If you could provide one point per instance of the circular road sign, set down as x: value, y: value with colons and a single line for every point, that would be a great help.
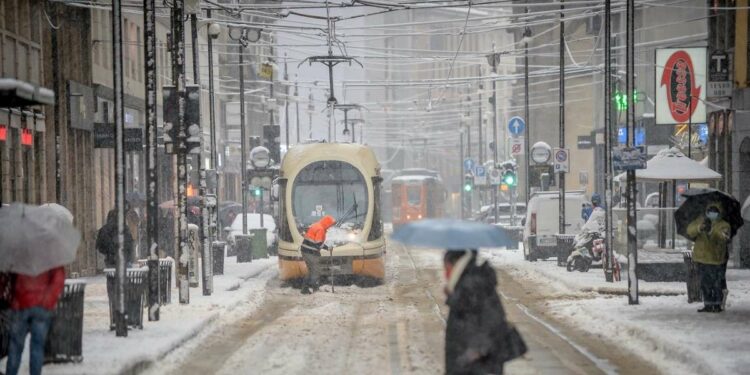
x: 561, y: 156
x: 541, y: 153
x: 516, y: 125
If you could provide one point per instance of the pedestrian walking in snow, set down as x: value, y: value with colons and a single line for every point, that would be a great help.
x: 313, y: 242
x: 33, y: 302
x: 106, y: 241
x: 478, y: 339
x: 711, y: 235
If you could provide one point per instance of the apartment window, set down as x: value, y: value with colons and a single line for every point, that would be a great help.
x: 10, y: 15
x: 35, y: 21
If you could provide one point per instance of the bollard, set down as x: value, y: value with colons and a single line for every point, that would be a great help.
x: 218, y: 247
x: 243, y: 247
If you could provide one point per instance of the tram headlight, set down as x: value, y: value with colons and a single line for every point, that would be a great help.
x: 419, y: 217
x: 352, y: 237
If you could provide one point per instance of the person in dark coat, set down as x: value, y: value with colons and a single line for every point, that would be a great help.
x: 106, y: 241
x: 476, y: 326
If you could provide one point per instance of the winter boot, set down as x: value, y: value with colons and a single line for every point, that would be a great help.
x: 306, y: 290
x: 725, y: 294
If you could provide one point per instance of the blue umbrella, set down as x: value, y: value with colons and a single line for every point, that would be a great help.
x: 450, y: 234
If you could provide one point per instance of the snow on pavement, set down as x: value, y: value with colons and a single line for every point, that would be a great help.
x: 104, y: 353
x: 664, y: 330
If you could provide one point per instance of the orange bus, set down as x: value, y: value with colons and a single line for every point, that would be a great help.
x: 415, y: 198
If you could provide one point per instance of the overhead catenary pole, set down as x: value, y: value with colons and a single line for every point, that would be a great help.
x: 286, y: 101
x: 55, y: 55
x: 632, y: 234
x: 206, y: 263
x: 561, y: 179
x: 212, y: 129
x: 121, y: 326
x: 609, y: 271
x: 178, y: 78
x: 461, y: 175
x: 526, y: 114
x: 152, y: 186
x: 296, y: 108
x: 310, y: 109
x: 243, y: 136
x: 495, y: 141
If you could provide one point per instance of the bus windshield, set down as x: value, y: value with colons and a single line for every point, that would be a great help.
x: 330, y: 188
x: 414, y: 194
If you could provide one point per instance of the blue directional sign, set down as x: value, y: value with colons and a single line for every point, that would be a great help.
x: 468, y: 165
x: 516, y: 126
x: 480, y: 171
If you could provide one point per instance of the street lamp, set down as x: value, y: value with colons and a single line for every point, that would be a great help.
x: 243, y: 36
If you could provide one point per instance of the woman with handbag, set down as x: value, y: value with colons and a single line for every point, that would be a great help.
x: 478, y: 339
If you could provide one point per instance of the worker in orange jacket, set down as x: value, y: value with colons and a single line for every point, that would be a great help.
x: 314, y: 240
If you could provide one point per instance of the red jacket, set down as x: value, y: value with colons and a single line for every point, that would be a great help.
x: 317, y: 232
x: 38, y: 291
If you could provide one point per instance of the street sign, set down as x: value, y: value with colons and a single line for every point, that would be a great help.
x: 628, y: 158
x: 468, y: 165
x: 516, y: 125
x: 516, y: 146
x: 541, y: 153
x: 562, y: 160
x: 495, y: 177
x: 719, y: 82
x: 480, y: 175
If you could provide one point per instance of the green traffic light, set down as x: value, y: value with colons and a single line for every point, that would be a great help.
x: 467, y: 187
x: 509, y: 180
x: 257, y: 192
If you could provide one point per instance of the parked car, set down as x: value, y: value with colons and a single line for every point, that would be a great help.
x: 542, y: 222
x: 253, y: 222
x: 487, y: 215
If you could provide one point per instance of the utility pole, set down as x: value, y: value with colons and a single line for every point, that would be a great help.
x: 629, y: 85
x: 286, y: 102
x: 152, y: 186
x: 55, y: 55
x: 481, y: 117
x: 207, y: 263
x: 561, y: 191
x: 296, y: 108
x: 178, y: 79
x: 462, y: 173
x: 310, y: 109
x: 609, y: 271
x: 120, y: 314
x: 212, y: 127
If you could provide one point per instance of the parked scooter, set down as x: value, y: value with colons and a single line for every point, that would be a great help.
x: 588, y: 247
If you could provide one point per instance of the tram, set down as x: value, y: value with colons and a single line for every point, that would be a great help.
x: 342, y: 180
x: 416, y: 197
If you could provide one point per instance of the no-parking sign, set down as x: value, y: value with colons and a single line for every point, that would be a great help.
x: 562, y: 160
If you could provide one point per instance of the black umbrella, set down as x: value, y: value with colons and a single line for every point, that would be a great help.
x: 696, y: 201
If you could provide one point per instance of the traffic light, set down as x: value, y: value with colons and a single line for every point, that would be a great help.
x: 509, y: 178
x: 621, y: 100
x: 256, y: 191
x: 272, y: 141
x: 193, y: 130
x: 170, y: 105
x: 468, y: 183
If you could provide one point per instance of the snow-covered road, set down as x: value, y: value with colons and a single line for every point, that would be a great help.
x: 394, y: 328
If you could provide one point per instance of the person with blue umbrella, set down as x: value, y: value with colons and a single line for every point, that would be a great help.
x: 478, y: 338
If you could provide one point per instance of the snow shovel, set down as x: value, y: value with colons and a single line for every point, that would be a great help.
x: 330, y: 267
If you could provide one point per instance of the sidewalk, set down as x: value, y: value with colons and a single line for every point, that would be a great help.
x: 663, y: 329
x: 104, y: 353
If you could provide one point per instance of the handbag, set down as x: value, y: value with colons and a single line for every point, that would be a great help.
x: 514, y: 344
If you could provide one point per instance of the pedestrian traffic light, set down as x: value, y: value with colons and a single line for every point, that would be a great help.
x: 621, y: 100
x: 468, y: 183
x: 509, y: 178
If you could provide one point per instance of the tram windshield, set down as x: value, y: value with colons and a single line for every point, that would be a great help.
x: 330, y: 188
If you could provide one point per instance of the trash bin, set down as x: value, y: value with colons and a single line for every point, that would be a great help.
x: 165, y: 280
x: 65, y: 337
x: 565, y: 244
x: 218, y: 247
x: 243, y: 247
x: 259, y: 244
x: 693, y: 278
x: 135, y: 291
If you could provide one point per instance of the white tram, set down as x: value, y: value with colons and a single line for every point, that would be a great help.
x: 342, y: 180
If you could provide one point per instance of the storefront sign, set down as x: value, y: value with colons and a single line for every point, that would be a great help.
x: 27, y: 137
x: 104, y: 137
x: 680, y: 85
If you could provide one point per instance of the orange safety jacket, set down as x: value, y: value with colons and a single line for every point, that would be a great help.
x: 316, y: 235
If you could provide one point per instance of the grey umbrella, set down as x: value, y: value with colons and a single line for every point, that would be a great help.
x: 450, y: 234
x: 35, y: 239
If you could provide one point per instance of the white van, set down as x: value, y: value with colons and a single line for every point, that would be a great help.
x: 542, y: 222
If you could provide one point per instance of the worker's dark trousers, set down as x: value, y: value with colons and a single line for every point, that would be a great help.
x: 313, y: 269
